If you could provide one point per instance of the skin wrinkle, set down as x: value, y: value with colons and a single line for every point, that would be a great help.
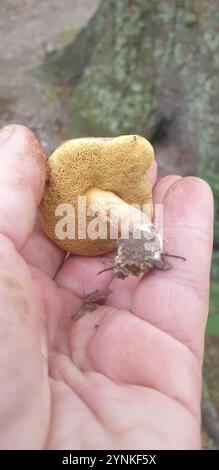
x: 160, y: 436
x: 41, y: 253
x: 173, y: 331
x: 62, y: 373
x: 167, y: 442
x: 190, y: 226
x: 190, y: 196
x: 10, y: 236
x: 161, y: 324
x: 162, y: 186
x: 84, y: 391
x: 77, y: 433
x: 190, y: 286
x: 44, y: 307
x: 11, y: 253
x: 80, y: 291
x: 155, y: 324
x: 176, y: 332
x: 94, y: 362
x: 57, y: 372
x: 9, y: 243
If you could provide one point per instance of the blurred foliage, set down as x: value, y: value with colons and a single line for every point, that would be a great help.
x: 68, y: 35
x: 139, y: 63
x: 49, y: 92
x: 213, y: 321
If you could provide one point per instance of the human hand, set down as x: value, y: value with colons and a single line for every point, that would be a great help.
x: 126, y: 376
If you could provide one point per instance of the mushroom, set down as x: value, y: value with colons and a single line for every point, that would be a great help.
x: 111, y: 173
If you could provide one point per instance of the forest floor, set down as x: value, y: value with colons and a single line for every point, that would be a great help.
x: 29, y: 30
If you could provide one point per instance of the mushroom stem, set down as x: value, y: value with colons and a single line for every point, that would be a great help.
x: 118, y: 212
x: 139, y: 245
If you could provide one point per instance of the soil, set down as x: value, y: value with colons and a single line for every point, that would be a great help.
x: 29, y: 29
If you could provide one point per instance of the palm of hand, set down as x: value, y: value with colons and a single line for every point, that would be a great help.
x: 128, y: 375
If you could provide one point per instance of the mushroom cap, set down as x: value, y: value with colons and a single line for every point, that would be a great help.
x: 118, y: 165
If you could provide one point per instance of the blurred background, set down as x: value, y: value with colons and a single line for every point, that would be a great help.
x: 110, y: 67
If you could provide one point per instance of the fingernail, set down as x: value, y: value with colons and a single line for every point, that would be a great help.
x: 5, y: 134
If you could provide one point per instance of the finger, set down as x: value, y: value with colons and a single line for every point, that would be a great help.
x: 123, y: 291
x: 162, y: 187
x: 80, y: 274
x: 40, y: 252
x: 177, y: 300
x: 22, y: 175
x: 21, y: 392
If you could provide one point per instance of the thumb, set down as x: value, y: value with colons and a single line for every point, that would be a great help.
x: 22, y: 417
x: 22, y: 176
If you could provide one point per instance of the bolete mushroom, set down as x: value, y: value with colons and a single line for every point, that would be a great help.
x: 111, y: 173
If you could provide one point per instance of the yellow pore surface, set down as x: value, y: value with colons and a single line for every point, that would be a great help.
x: 118, y: 165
